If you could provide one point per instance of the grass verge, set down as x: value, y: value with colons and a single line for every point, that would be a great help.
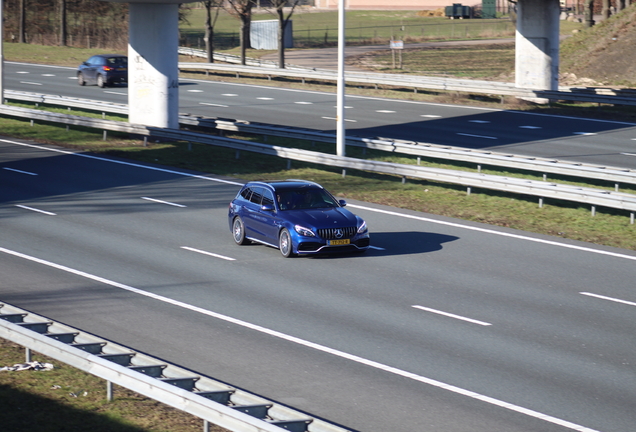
x: 66, y: 399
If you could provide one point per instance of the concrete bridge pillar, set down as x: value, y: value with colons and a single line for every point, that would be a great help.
x: 537, y: 44
x: 153, y: 62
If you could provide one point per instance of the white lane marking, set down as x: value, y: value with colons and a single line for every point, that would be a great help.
x: 19, y: 171
x: 450, y: 315
x: 318, y: 347
x: 48, y: 75
x: 36, y: 210
x: 347, y: 120
x: 376, y: 248
x: 530, y: 127
x: 346, y: 107
x: 195, y: 91
x: 115, y: 93
x: 477, y: 136
x: 431, y: 116
x: 479, y: 121
x: 214, y: 105
x: 629, y: 154
x: 499, y: 233
x: 385, y: 111
x: 31, y: 83
x: 265, y: 98
x: 208, y: 253
x: 162, y: 202
x: 404, y: 215
x: 22, y: 72
x: 585, y: 133
x: 229, y: 94
x: 136, y: 165
x: 602, y: 297
x: 304, y: 103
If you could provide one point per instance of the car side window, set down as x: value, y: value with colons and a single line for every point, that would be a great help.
x: 257, y: 196
x: 268, y: 197
x: 246, y: 193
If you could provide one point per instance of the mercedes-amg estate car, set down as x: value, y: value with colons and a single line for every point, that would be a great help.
x: 104, y: 70
x: 296, y: 216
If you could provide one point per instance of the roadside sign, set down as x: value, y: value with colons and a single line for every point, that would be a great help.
x: 396, y: 44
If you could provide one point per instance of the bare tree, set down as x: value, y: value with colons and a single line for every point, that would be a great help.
x: 589, y: 13
x: 210, y: 21
x: 22, y: 22
x: 606, y: 9
x: 63, y: 28
x: 242, y: 9
x: 279, y: 5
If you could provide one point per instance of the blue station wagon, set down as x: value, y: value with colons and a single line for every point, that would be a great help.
x: 296, y: 216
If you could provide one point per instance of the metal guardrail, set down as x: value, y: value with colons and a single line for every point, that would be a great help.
x: 420, y: 149
x: 541, y: 189
x: 201, y: 396
x: 260, y: 67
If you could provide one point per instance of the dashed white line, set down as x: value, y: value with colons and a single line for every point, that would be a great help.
x: 479, y: 121
x: 431, y: 116
x: 163, y: 202
x: 530, y: 127
x: 115, y: 93
x: 19, y: 171
x: 214, y: 105
x: 313, y: 345
x: 385, y: 111
x: 628, y: 154
x: 48, y: 75
x: 602, y: 297
x: 31, y: 83
x: 304, y: 103
x: 265, y: 98
x: 36, y: 210
x: 347, y: 120
x: 195, y: 91
x: 208, y: 253
x: 229, y: 94
x: 450, y: 315
x: 477, y: 136
x: 585, y: 133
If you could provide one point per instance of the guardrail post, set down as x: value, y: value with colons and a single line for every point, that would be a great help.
x: 109, y: 391
x: 206, y: 426
x: 238, y: 154
x: 631, y: 218
x: 468, y: 189
x: 288, y: 164
x: 616, y: 187
x: 540, y: 202
x: 105, y: 136
x: 344, y: 172
x: 593, y: 211
x: 28, y: 355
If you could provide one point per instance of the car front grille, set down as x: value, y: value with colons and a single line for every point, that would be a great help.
x: 337, y: 233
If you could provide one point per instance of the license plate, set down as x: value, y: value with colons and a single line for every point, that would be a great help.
x: 338, y: 242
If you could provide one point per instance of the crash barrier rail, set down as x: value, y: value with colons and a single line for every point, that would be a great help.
x: 481, y: 158
x: 541, y: 189
x: 269, y: 69
x: 210, y: 400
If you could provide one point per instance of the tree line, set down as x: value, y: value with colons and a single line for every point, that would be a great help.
x: 78, y: 23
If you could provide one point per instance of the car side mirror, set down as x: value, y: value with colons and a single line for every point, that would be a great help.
x: 342, y: 203
x: 267, y: 207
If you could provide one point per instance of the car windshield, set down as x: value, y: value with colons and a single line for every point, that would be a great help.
x: 302, y: 199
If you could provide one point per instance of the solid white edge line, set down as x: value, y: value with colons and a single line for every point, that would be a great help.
x: 318, y: 347
x: 19, y: 171
x: 602, y: 297
x: 499, y: 233
x: 163, y: 202
x: 477, y: 136
x: 208, y: 253
x: 450, y: 315
x: 36, y: 210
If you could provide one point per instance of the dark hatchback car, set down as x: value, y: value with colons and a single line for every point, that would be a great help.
x: 104, y: 70
x: 296, y: 216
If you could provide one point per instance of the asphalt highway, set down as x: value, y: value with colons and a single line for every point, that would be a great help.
x: 606, y: 143
x: 444, y: 325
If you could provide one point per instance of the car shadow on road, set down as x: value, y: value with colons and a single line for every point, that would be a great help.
x: 401, y: 243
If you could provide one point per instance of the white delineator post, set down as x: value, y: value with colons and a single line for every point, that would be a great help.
x: 537, y: 44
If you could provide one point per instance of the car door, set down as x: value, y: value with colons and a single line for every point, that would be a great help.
x: 267, y: 220
x: 90, y: 69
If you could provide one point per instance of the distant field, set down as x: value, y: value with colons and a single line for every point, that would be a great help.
x: 318, y: 29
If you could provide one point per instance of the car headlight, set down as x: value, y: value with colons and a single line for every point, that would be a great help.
x: 304, y: 231
x: 362, y: 228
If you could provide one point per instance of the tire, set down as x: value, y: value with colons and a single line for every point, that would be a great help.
x: 238, y: 232
x: 80, y: 79
x: 101, y: 82
x: 285, y: 243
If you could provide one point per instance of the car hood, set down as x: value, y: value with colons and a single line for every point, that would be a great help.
x: 322, y: 218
